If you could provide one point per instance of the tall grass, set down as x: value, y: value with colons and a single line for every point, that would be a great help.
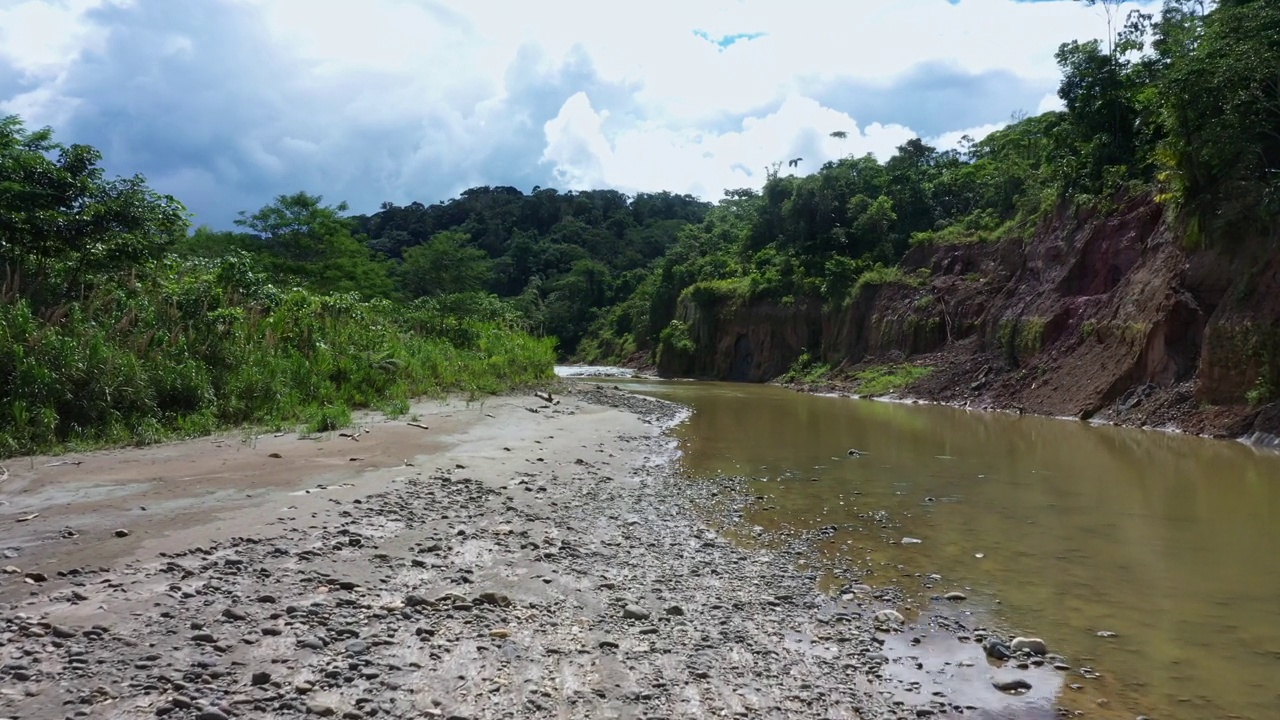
x: 203, y: 347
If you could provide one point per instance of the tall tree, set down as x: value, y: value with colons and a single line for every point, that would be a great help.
x: 62, y: 220
x: 300, y: 237
x: 444, y: 265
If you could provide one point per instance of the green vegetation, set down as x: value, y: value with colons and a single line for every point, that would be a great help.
x: 115, y: 327
x: 118, y: 324
x: 806, y: 369
x: 568, y: 261
x: 884, y: 379
x: 675, y: 342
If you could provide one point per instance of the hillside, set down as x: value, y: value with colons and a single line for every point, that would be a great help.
x: 1114, y: 258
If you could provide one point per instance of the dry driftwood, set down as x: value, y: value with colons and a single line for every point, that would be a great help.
x: 420, y: 426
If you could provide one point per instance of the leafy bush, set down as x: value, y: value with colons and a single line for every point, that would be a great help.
x: 188, y: 354
x: 806, y: 369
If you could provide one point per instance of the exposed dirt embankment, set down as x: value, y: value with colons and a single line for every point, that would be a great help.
x: 744, y: 343
x: 1096, y: 316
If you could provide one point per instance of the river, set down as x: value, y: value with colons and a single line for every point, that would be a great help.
x: 1059, y: 529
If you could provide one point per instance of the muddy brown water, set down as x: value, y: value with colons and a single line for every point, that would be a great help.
x: 1054, y: 528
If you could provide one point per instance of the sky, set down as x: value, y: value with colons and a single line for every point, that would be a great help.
x: 226, y: 104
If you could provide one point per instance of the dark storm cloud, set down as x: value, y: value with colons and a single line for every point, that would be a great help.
x: 196, y: 96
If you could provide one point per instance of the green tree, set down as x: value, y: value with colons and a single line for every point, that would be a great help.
x: 63, y: 222
x: 300, y: 237
x: 1219, y: 103
x: 444, y: 265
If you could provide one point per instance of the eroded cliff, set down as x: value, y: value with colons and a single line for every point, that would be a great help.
x: 1106, y: 316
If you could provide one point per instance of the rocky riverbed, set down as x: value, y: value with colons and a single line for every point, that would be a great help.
x: 520, y: 559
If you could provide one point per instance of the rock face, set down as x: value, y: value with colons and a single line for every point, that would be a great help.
x: 1095, y: 315
x: 751, y: 343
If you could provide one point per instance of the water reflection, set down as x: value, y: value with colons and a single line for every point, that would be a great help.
x: 1170, y: 542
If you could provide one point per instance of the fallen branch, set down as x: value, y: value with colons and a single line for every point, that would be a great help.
x: 420, y: 426
x: 545, y: 397
x: 65, y: 462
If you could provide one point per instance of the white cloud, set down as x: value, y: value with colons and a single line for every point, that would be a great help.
x: 41, y: 37
x: 414, y: 99
x: 44, y: 103
x: 650, y: 156
x: 1049, y: 103
x: 951, y: 140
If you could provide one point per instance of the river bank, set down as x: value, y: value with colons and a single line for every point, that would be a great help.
x: 979, y: 384
x: 517, y: 559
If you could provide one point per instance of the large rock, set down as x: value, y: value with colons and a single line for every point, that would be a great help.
x: 1035, y: 646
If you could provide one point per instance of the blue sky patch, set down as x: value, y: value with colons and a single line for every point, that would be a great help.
x: 724, y: 41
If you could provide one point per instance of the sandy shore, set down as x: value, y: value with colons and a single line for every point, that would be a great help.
x: 514, y: 560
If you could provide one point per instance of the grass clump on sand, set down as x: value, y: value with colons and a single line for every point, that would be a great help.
x: 885, y: 379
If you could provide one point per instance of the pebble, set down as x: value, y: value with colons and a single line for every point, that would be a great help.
x: 675, y: 610
x: 635, y: 612
x: 122, y: 533
x: 955, y: 596
x: 500, y: 633
x: 321, y: 709
x: 1016, y: 685
x: 235, y: 614
x: 493, y: 598
x: 996, y: 650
